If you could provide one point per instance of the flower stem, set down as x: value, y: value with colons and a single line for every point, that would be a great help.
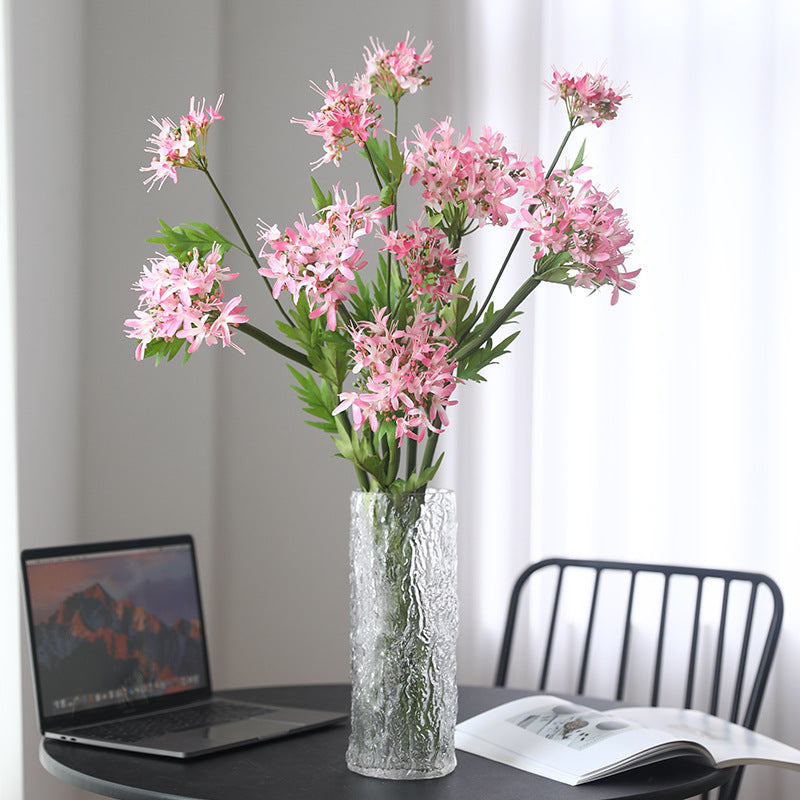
x: 374, y: 169
x: 246, y: 244
x: 274, y: 344
x: 469, y: 345
x: 411, y: 458
x: 361, y: 474
x: 394, y: 463
x: 519, y: 232
x: 430, y: 450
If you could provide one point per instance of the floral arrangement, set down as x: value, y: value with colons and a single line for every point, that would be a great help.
x: 377, y: 358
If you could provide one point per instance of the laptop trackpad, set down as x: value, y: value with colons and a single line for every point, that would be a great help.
x: 220, y: 736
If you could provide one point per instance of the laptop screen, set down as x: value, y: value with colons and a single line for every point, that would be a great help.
x: 111, y: 627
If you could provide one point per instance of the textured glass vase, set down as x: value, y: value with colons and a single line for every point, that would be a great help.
x: 403, y: 629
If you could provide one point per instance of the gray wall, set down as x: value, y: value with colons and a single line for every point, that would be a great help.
x: 111, y: 448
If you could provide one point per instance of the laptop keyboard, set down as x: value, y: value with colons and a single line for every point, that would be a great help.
x: 215, y: 712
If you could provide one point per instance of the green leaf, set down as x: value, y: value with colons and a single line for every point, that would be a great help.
x: 182, y: 240
x: 161, y: 349
x: 389, y: 194
x: 416, y: 482
x: 434, y: 217
x: 361, y: 302
x: 321, y: 200
x: 578, y: 162
x: 318, y: 399
x: 492, y: 321
x: 397, y: 162
x: 554, y: 267
x: 379, y: 155
x: 345, y: 447
x: 556, y: 275
x: 470, y: 367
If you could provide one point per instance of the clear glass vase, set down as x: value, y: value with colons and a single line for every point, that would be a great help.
x: 403, y: 629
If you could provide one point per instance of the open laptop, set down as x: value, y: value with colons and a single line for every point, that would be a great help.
x: 119, y: 653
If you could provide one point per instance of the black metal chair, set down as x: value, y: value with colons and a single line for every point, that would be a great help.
x: 729, y: 632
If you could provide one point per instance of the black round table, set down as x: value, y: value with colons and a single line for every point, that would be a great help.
x: 311, y: 765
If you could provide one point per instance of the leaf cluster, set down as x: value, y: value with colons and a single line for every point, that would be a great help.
x: 182, y: 240
x: 390, y: 165
x: 161, y: 349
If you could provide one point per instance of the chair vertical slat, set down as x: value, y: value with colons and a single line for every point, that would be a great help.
x: 551, y: 632
x: 720, y: 648
x: 508, y: 633
x: 765, y: 662
x: 587, y: 642
x: 660, y: 647
x: 693, y: 650
x: 748, y: 627
x: 626, y: 639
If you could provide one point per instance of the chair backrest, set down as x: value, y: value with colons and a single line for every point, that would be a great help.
x: 720, y: 626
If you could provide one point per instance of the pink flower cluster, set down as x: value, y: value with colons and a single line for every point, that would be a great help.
x: 395, y: 72
x: 456, y: 170
x: 349, y: 114
x: 185, y: 301
x: 429, y: 261
x: 406, y: 377
x: 173, y: 144
x: 321, y: 258
x: 567, y: 214
x: 589, y: 98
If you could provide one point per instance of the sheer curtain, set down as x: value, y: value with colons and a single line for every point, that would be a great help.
x: 665, y: 428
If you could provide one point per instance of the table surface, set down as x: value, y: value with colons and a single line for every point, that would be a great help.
x: 312, y: 765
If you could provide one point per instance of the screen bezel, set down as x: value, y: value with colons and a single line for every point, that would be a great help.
x: 131, y: 707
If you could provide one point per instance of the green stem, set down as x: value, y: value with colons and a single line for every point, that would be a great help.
x: 394, y: 216
x: 430, y: 450
x: 411, y: 458
x: 374, y: 169
x: 519, y: 232
x: 394, y: 463
x: 346, y: 429
x: 400, y: 298
x: 560, y: 150
x: 274, y: 344
x: 469, y: 345
x: 389, y: 283
x: 246, y: 244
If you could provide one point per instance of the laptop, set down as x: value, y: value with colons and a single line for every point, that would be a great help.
x: 119, y: 653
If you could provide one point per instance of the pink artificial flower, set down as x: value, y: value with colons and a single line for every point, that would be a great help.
x: 174, y: 145
x: 404, y: 375
x: 220, y: 327
x: 589, y: 98
x: 429, y: 261
x: 395, y: 72
x: 321, y: 258
x: 564, y: 213
x: 348, y: 115
x: 458, y: 172
x: 185, y: 300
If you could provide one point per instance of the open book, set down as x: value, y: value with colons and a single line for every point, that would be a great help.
x: 575, y: 744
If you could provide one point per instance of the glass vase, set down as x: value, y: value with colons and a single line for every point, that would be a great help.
x: 403, y: 629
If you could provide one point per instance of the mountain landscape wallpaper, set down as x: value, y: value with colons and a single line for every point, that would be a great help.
x: 115, y: 628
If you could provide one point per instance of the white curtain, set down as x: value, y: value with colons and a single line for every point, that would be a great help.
x: 664, y: 428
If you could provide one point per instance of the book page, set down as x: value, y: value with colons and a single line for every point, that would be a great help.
x: 556, y: 738
x: 729, y: 744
